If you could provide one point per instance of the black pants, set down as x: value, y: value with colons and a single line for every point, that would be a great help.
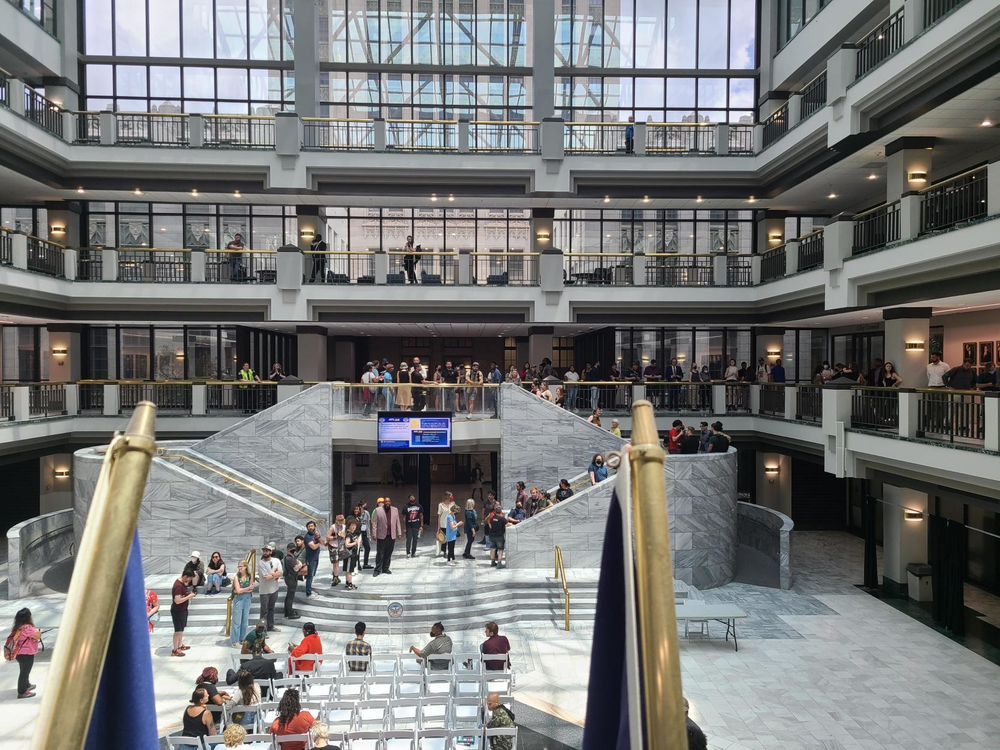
x: 366, y: 544
x: 383, y: 554
x: 25, y: 661
x: 451, y: 550
x: 629, y: 145
x: 267, y: 602
x: 291, y: 583
x: 419, y: 399
x: 469, y: 539
x: 412, y: 536
x: 319, y: 268
x: 410, y: 265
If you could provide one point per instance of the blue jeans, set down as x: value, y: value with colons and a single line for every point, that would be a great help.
x: 214, y: 579
x: 390, y: 399
x: 313, y: 566
x: 240, y: 622
x: 593, y: 397
x: 571, y: 396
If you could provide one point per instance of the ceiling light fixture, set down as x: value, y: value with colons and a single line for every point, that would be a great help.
x: 194, y: 193
x: 236, y: 194
x: 699, y: 199
x: 751, y: 199
x: 645, y: 199
x: 832, y: 195
x: 137, y: 191
x: 434, y: 197
x: 451, y: 198
x: 873, y: 176
x: 607, y: 199
x: 986, y: 123
x: 79, y: 190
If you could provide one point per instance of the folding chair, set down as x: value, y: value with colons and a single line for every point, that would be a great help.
x: 218, y: 715
x: 363, y: 741
x: 503, y: 732
x: 437, y: 684
x: 258, y: 741
x: 467, y: 740
x: 332, y: 667
x: 278, y: 687
x: 280, y: 743
x: 440, y: 664
x: 340, y: 716
x: 404, y: 714
x: 433, y: 739
x: 498, y: 682
x: 356, y: 661
x: 469, y: 686
x: 467, y: 713
x: 185, y: 742
x: 384, y: 664
x: 252, y: 717
x: 312, y: 706
x: 319, y: 688
x: 380, y: 687
x: 409, y: 686
x: 350, y: 688
x: 435, y: 712
x: 467, y: 663
x: 268, y: 713
x: 399, y: 740
x: 371, y: 715
x: 408, y: 665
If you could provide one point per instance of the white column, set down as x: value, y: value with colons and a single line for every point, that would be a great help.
x: 794, y: 109
x: 464, y: 267
x: 909, y: 401
x: 639, y: 138
x: 791, y: 401
x: 838, y: 241
x: 836, y: 416
x: 754, y: 270
x: 913, y: 18
x: 720, y: 269
x: 381, y: 267
x: 464, y: 135
x: 991, y: 405
x: 21, y: 403
x: 639, y: 269
x: 287, y: 134
x: 197, y: 265
x: 904, y: 326
x: 312, y: 353
x: 72, y: 399
x: 722, y: 138
x: 543, y: 81
x: 287, y: 391
x: 199, y: 399
x: 109, y: 264
x: 719, y: 398
x: 305, y: 14
x: 15, y: 95
x: 69, y: 263
x: 909, y: 215
x: 289, y: 271
x: 791, y: 257
x: 550, y: 268
x: 196, y: 130
x: 638, y: 392
x: 380, y: 134
x: 553, y: 133
x: 840, y: 72
x: 109, y: 129
x: 754, y: 398
x: 111, y: 399
x: 19, y: 251
x: 900, y: 164
x: 993, y: 188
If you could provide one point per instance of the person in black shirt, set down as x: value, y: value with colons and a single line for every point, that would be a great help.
x: 414, y: 515
x: 290, y: 571
x: 564, y: 491
x: 418, y: 391
x: 498, y: 537
x: 450, y: 377
x: 263, y: 670
x: 690, y: 442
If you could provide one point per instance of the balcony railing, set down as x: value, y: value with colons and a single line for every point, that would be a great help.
x: 46, y: 400
x: 46, y: 257
x: 169, y: 396
x: 421, y: 135
x: 464, y: 401
x: 738, y: 398
x: 321, y: 133
x: 880, y: 43
x: 814, y: 96
x: 772, y: 399
x: 6, y: 403
x: 954, y: 201
x: 152, y: 129
x: 934, y: 10
x: 89, y: 264
x: 6, y: 248
x: 424, y: 267
x: 42, y: 12
x: 505, y: 269
x: 239, y: 131
x: 952, y: 416
x: 43, y: 112
x: 91, y: 395
x: 811, y: 250
x: 241, y: 266
x: 356, y: 267
x: 601, y: 269
x: 739, y: 270
x: 875, y: 409
x: 809, y: 403
x: 154, y: 266
x: 490, y: 137
x: 597, y: 138
x: 776, y: 125
x: 876, y: 228
x: 674, y: 138
x: 741, y: 139
x: 88, y: 128
x: 668, y: 269
x: 240, y: 398
x: 772, y: 264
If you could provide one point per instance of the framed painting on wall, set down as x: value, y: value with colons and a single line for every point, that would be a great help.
x: 985, y: 352
x: 969, y: 352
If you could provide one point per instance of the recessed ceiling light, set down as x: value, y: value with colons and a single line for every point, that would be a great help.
x: 79, y: 190
x: 645, y: 199
x: 236, y: 194
x: 137, y: 191
x: 451, y: 197
x: 986, y: 123
x: 163, y: 229
x: 607, y: 199
x: 194, y: 192
x: 434, y: 197
x: 699, y: 199
x: 751, y: 199
x: 873, y: 176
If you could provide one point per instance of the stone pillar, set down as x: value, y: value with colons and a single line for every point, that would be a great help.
x: 289, y: 270
x: 754, y: 398
x: 904, y: 534
x: 22, y: 403
x: 908, y: 325
x: 905, y: 158
x: 550, y: 258
x: 15, y: 95
x: 991, y: 421
x: 539, y: 343
x: 19, y: 251
x: 109, y: 128
x: 909, y: 412
x: 199, y: 399
x: 111, y: 400
x: 64, y: 215
x: 770, y: 230
x: 196, y: 130
x: 67, y: 25
x: 197, y: 265
x: 755, y: 269
x: 543, y: 81
x: 836, y: 416
x: 109, y: 264
x: 993, y: 188
x: 794, y: 109
x: 767, y: 42
x: 722, y: 138
x: 838, y: 241
x: 312, y: 353
x: 381, y: 267
x: 791, y: 401
x: 639, y: 269
x: 306, y: 19
x: 840, y: 72
x: 64, y: 337
x: 791, y: 257
x: 521, y: 342
x: 913, y: 18
x: 464, y: 267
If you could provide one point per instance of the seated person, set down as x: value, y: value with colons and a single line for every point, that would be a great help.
x: 495, y: 644
x: 310, y: 644
x: 439, y: 644
x: 263, y: 670
x: 207, y: 680
x: 257, y: 635
x: 291, y: 720
x: 197, y: 719
x: 197, y: 569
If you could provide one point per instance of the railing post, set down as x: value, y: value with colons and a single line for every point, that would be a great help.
x: 909, y: 215
x: 196, y: 130
x: 991, y: 421
x: 381, y: 267
x: 720, y: 269
x: 112, y: 402
x: 639, y: 269
x: 109, y: 130
x: 913, y: 19
x: 794, y: 109
x: 464, y: 135
x: 69, y: 263
x: 909, y: 401
x: 553, y: 134
x: 550, y: 269
x: 791, y: 257
x: 791, y: 401
x: 464, y: 267
x: 198, y: 265
x: 758, y: 138
x: 199, y: 398
x: 993, y: 188
x: 68, y: 126
x: 109, y: 265
x: 841, y: 70
x: 718, y: 398
x: 15, y: 95
x: 380, y: 134
x: 72, y: 398
x: 638, y: 392
x: 286, y: 391
x: 19, y: 251
x: 287, y: 134
x: 22, y: 403
x: 289, y: 276
x: 755, y: 270
x: 639, y: 138
x: 755, y: 398
x: 722, y: 139
x: 838, y: 241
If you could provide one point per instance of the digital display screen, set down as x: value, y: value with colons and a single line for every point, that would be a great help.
x: 422, y: 432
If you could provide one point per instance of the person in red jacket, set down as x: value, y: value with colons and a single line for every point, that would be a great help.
x: 674, y: 437
x: 310, y: 644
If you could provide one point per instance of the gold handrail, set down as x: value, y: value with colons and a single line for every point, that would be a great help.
x: 654, y: 578
x: 251, y: 561
x: 958, y: 176
x: 504, y: 254
x: 561, y: 575
x: 684, y: 124
x: 501, y: 122
x: 90, y: 610
x: 239, y: 117
x: 876, y: 208
x: 813, y: 233
x: 336, y: 119
x: 245, y: 250
x: 243, y: 484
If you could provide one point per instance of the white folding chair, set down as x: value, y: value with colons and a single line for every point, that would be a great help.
x: 331, y: 667
x: 350, y: 688
x: 218, y: 715
x: 440, y: 664
x: 371, y: 715
x: 363, y: 741
x: 467, y: 740
x: 312, y: 706
x: 503, y: 732
x: 258, y: 741
x: 340, y: 716
x: 437, y: 684
x: 278, y: 687
x: 467, y: 713
x: 467, y: 663
x: 469, y: 686
x: 404, y: 713
x: 498, y: 682
x: 384, y: 664
x: 409, y: 686
x: 268, y: 713
x: 399, y: 739
x: 185, y: 742
x: 433, y: 739
x: 408, y: 665
x: 435, y: 712
x: 380, y: 688
x: 319, y: 688
x: 280, y: 743
x: 255, y: 717
x: 357, y: 661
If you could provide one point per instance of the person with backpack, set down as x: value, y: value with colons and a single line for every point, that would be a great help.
x: 21, y: 646
x: 414, y: 525
x: 720, y: 441
x: 500, y: 716
x: 498, y: 537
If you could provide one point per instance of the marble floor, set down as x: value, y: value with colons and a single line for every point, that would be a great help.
x: 823, y: 665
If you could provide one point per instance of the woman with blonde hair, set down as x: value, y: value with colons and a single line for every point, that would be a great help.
x: 319, y: 733
x: 404, y: 397
x: 471, y: 527
x: 234, y: 736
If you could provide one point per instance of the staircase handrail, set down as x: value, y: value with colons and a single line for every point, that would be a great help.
x: 560, y: 574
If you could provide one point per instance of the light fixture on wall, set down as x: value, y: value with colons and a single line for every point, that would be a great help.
x: 57, y: 229
x: 681, y: 357
x: 914, y: 346
x: 178, y: 355
x: 307, y: 234
x: 60, y: 352
x: 919, y: 177
x: 543, y: 236
x: 913, y: 515
x: 775, y: 237
x: 773, y: 353
x: 770, y: 472
x: 62, y: 473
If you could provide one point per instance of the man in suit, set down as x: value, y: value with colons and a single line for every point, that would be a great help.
x: 675, y: 374
x: 387, y: 529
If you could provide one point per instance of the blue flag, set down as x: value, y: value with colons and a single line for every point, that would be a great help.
x: 127, y: 681
x: 607, y: 725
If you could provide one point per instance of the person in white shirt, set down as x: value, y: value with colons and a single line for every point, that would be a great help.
x: 936, y: 371
x: 763, y: 371
x: 572, y: 377
x: 368, y: 392
x: 732, y: 372
x: 827, y: 373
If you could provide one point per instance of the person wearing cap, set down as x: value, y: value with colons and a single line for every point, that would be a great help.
x: 615, y: 429
x: 256, y: 638
x: 474, y: 381
x: 291, y: 566
x: 705, y: 435
x: 268, y: 574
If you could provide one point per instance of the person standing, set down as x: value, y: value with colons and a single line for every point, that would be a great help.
x: 242, y: 597
x: 763, y: 374
x: 449, y: 376
x: 23, y: 639
x: 368, y: 389
x: 473, y: 391
x: 706, y: 434
x: 410, y: 260
x: 675, y: 374
x: 388, y: 392
x: 276, y: 373
x: 268, y: 572
x: 778, y: 372
x: 572, y: 378
x: 318, y: 247
x: 630, y: 135
x: 386, y: 526
x: 498, y: 538
x: 414, y: 525
x: 313, y: 544
x: 471, y: 527
x: 720, y: 441
x: 352, y: 543
x: 236, y: 258
x: 451, y: 534
x: 417, y: 390
x: 180, y: 595
x: 292, y: 567
x: 404, y: 396
x: 334, y: 540
x: 674, y: 436
x: 477, y: 480
x: 364, y: 528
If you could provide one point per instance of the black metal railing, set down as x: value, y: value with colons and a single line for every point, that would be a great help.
x: 738, y: 398
x: 223, y: 131
x: 876, y: 228
x: 504, y: 137
x: 42, y: 12
x: 776, y: 125
x: 811, y: 250
x: 772, y: 264
x: 680, y: 270
x: 88, y: 128
x: 680, y: 397
x: 875, y: 409
x: 246, y: 398
x: 421, y: 135
x: 951, y: 416
x: 595, y: 138
x: 741, y: 139
x: 154, y: 266
x: 232, y: 267
x: 168, y: 397
x: 879, y: 43
x: 142, y: 129
x: 772, y: 399
x: 6, y: 248
x: 89, y: 264
x: 42, y: 111
x: 339, y: 268
x: 505, y: 269
x: 739, y: 270
x: 935, y: 9
x: 680, y: 139
x: 4, y: 89
x: 606, y: 269
x: 6, y: 403
x: 91, y: 397
x: 962, y: 198
x: 809, y: 403
x: 584, y: 396
x: 45, y: 257
x: 426, y: 268
x: 814, y: 96
x: 343, y: 135
x: 46, y: 400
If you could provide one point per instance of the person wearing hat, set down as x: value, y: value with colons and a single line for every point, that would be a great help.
x: 268, y: 574
x: 404, y: 396
x: 334, y: 543
x: 198, y: 570
x: 369, y: 389
x: 256, y: 638
x: 292, y: 567
x: 615, y: 429
x: 474, y: 389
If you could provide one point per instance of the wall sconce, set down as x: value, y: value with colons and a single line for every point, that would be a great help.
x: 179, y: 355
x: 914, y: 346
x: 681, y: 357
x: 62, y: 473
x: 770, y: 469
x: 59, y: 352
x: 917, y: 177
x: 307, y: 234
x: 57, y: 229
x: 913, y: 515
x: 775, y: 237
x: 543, y: 236
x: 773, y: 353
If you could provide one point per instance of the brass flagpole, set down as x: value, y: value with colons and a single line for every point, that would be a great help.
x: 663, y: 698
x: 94, y: 591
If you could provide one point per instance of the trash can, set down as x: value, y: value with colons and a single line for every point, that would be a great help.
x: 918, y: 582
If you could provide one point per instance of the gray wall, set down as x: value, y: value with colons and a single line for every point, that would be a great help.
x: 35, y: 544
x: 769, y: 532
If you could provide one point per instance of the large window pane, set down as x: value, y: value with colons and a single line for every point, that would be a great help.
x: 134, y: 363
x: 228, y: 344
x: 131, y: 80
x: 199, y: 29
x: 130, y: 28
x: 742, y: 35
x: 265, y: 29
x: 199, y: 83
x: 713, y: 37
x: 203, y: 353
x: 168, y: 349
x: 231, y: 29
x: 682, y: 17
x: 101, y: 360
x: 97, y: 25
x: 164, y: 28
x: 650, y: 33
